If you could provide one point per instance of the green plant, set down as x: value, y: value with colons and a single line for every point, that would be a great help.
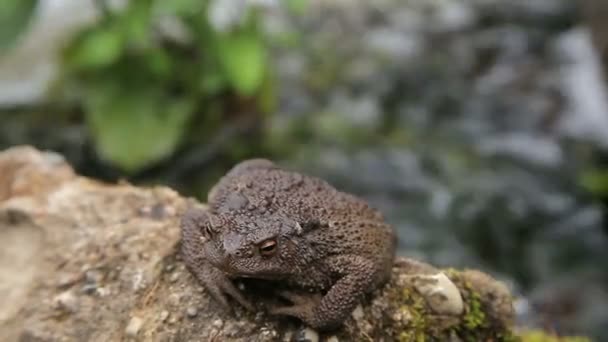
x: 15, y: 16
x: 145, y: 73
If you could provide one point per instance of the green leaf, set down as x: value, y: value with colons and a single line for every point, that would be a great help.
x: 134, y: 128
x: 242, y: 55
x: 135, y: 22
x: 179, y: 7
x: 159, y: 63
x: 15, y: 16
x: 595, y: 181
x: 296, y: 6
x: 96, y: 49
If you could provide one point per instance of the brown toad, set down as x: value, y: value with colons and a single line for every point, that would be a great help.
x: 264, y: 222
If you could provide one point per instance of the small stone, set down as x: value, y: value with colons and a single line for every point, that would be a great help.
x: 440, y: 293
x: 169, y: 268
x: 66, y: 280
x: 191, y: 311
x: 134, y: 326
x: 308, y: 335
x: 163, y: 315
x: 89, y: 289
x: 333, y: 339
x: 66, y: 301
x: 102, y: 292
x: 358, y: 313
x: 174, y: 277
x: 218, y: 323
x: 93, y: 276
x: 175, y: 299
x: 158, y: 212
x: 402, y: 316
x: 267, y: 333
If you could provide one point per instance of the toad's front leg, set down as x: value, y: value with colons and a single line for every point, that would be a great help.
x: 214, y: 280
x: 356, y: 275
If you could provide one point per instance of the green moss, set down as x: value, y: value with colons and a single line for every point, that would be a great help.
x: 540, y: 336
x: 474, y: 317
x: 413, y: 307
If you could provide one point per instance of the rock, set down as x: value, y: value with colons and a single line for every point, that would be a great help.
x: 93, y: 233
x: 191, y: 312
x: 218, y: 323
x: 440, y: 292
x: 66, y: 301
x: 308, y: 335
x: 163, y: 315
x: 358, y: 313
x: 134, y: 326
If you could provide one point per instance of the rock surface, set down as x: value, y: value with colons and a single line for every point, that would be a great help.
x: 85, y: 261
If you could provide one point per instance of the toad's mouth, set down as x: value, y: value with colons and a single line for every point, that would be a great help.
x: 234, y: 272
x: 263, y: 276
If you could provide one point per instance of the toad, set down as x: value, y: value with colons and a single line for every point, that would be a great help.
x: 268, y: 223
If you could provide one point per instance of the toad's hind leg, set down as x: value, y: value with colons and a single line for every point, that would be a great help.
x: 357, y: 276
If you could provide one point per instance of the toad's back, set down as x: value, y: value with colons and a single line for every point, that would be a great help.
x: 346, y: 224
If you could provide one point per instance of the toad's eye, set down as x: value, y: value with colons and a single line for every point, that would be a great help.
x: 268, y: 247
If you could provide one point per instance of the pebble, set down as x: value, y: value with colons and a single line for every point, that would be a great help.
x: 67, y: 279
x: 268, y: 333
x: 218, y: 323
x: 333, y: 339
x: 102, y: 292
x: 308, y: 335
x: 134, y: 326
x: 174, y: 277
x: 440, y: 293
x: 175, y: 299
x: 191, y: 311
x: 163, y: 315
x: 89, y: 289
x: 93, y: 276
x: 358, y: 312
x: 66, y: 301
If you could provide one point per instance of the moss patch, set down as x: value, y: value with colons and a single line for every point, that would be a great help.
x: 540, y: 336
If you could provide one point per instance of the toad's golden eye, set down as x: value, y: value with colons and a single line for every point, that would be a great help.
x: 268, y: 247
